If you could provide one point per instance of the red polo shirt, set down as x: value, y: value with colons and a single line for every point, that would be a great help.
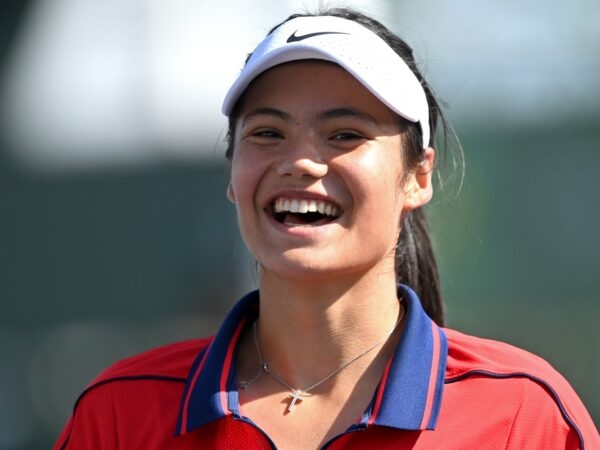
x: 441, y: 389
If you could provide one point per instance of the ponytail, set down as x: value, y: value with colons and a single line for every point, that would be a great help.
x: 416, y: 265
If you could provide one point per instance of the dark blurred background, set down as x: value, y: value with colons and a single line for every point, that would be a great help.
x: 115, y: 233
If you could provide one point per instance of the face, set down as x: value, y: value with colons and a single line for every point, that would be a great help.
x: 317, y: 174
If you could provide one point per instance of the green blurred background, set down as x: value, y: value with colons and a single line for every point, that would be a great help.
x: 116, y: 236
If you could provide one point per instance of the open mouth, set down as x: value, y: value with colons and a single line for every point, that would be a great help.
x: 304, y: 212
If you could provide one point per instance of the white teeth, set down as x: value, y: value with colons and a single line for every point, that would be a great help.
x: 321, y: 207
x: 305, y: 206
x: 294, y: 206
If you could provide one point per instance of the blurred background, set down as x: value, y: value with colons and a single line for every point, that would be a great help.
x: 115, y: 233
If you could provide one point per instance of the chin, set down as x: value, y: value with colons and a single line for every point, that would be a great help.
x: 314, y: 269
x: 298, y: 269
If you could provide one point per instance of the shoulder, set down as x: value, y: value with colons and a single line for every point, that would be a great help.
x: 521, y: 382
x: 140, y: 392
x: 470, y: 356
x: 168, y: 361
x: 468, y: 353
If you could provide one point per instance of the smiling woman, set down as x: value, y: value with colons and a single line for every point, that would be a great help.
x: 331, y: 146
x: 307, y: 133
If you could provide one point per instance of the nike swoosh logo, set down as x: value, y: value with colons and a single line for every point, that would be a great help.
x: 296, y: 38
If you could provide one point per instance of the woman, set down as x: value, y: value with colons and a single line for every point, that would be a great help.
x: 331, y: 150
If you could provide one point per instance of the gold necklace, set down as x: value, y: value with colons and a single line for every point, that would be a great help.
x: 297, y: 395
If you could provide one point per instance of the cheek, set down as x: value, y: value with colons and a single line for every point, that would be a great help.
x: 242, y: 171
x: 379, y: 173
x: 242, y: 192
x: 247, y: 172
x: 235, y: 178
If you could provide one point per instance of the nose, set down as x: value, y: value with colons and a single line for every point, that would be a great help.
x: 302, y: 159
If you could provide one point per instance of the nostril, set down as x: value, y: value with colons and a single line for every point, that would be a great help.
x: 303, y: 167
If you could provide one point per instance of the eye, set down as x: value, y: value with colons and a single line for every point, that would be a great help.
x: 266, y: 133
x: 347, y: 136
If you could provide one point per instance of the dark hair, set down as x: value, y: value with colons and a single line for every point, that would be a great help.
x: 415, y: 260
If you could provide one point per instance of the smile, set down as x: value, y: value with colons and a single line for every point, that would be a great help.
x: 294, y: 212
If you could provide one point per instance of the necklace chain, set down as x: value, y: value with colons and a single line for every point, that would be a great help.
x: 297, y: 395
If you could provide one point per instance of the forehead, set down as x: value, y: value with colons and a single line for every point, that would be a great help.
x: 311, y: 85
x: 305, y: 68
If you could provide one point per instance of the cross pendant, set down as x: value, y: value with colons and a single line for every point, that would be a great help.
x: 296, y: 396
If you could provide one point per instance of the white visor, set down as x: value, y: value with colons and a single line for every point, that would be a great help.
x: 358, y: 50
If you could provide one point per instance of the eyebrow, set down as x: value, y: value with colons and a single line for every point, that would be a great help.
x: 330, y: 114
x: 266, y: 111
x: 346, y: 112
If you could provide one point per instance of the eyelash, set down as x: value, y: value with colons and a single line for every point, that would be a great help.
x: 346, y: 136
x: 266, y: 134
x: 343, y: 136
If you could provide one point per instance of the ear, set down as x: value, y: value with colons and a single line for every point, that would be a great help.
x: 418, y: 189
x: 230, y: 194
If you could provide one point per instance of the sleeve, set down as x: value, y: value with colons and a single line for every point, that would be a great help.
x: 552, y: 420
x: 92, y: 425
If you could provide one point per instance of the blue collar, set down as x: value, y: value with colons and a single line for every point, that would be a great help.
x: 409, y: 395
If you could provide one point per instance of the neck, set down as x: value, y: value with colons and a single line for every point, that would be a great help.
x: 308, y: 329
